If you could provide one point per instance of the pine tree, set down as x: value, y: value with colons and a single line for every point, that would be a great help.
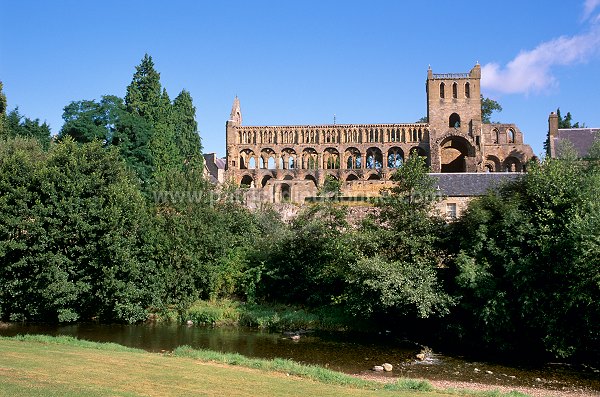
x: 186, y: 131
x: 166, y: 157
x: 2, y: 109
x: 144, y: 93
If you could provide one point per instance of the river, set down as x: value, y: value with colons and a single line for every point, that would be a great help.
x: 351, y: 353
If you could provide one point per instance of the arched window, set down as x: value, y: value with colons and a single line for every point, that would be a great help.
x: 454, y: 120
x: 467, y: 90
x: 511, y: 136
x: 495, y: 136
x: 454, y: 90
x: 442, y: 86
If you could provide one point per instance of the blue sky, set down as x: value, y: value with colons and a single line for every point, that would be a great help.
x: 301, y: 62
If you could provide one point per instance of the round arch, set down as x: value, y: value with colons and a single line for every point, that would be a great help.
x: 247, y: 181
x: 311, y: 178
x: 265, y: 180
x: 512, y: 164
x: 454, y: 151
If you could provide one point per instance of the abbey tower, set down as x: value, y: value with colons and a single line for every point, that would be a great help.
x: 292, y: 161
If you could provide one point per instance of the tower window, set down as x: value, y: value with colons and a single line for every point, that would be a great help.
x: 455, y: 90
x: 454, y: 121
x: 467, y: 90
x: 442, y: 86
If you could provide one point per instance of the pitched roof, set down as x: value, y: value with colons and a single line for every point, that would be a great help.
x: 581, y: 139
x: 470, y: 184
x: 213, y: 165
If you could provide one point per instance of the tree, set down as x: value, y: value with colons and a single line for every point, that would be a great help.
x: 3, y: 105
x: 17, y: 125
x: 145, y: 92
x: 109, y: 122
x: 527, y: 269
x: 72, y: 235
x: 488, y: 106
x: 567, y: 121
x: 86, y: 121
x: 186, y: 131
x: 403, y: 251
x: 331, y: 187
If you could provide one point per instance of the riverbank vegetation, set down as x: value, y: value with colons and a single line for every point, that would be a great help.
x: 34, y: 365
x: 113, y: 220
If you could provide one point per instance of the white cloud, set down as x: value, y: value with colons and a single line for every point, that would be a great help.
x: 532, y: 70
x: 588, y: 8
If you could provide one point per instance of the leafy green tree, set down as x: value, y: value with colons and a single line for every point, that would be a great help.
x: 488, y: 106
x: 17, y: 125
x: 72, y: 235
x: 86, y: 121
x: 109, y: 122
x: 527, y: 269
x: 404, y: 251
x: 305, y: 263
x: 331, y: 187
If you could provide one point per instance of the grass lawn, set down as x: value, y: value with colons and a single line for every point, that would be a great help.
x: 47, y: 366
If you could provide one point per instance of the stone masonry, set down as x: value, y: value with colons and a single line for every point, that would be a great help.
x: 288, y: 163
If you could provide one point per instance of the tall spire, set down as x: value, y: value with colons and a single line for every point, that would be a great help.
x: 236, y: 112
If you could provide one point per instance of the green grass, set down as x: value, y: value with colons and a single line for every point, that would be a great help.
x: 34, y: 365
x: 225, y: 312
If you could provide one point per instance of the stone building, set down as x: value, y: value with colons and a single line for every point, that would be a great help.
x: 288, y: 163
x: 580, y: 139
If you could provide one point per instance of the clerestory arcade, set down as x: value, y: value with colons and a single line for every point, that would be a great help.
x: 281, y: 163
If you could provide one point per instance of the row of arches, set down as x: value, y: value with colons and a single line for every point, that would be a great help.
x: 330, y: 158
x: 509, y: 164
x: 256, y: 136
x: 467, y: 90
x: 249, y: 181
x: 497, y: 135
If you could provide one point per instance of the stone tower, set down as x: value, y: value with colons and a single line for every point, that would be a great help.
x: 235, y: 120
x: 454, y: 114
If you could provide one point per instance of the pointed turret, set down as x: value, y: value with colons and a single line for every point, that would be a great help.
x: 236, y: 112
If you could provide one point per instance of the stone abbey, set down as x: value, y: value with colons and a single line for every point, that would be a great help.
x: 281, y: 163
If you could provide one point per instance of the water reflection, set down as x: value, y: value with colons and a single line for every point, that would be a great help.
x: 346, y: 352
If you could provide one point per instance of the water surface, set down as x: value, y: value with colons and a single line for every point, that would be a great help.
x: 341, y: 351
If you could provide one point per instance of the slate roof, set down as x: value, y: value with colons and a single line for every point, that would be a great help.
x: 470, y: 184
x: 213, y: 164
x: 581, y: 138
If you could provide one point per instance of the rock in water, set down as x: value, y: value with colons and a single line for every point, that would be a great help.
x: 421, y: 356
x: 387, y: 367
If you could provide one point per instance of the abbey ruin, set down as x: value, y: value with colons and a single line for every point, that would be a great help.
x: 289, y: 163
